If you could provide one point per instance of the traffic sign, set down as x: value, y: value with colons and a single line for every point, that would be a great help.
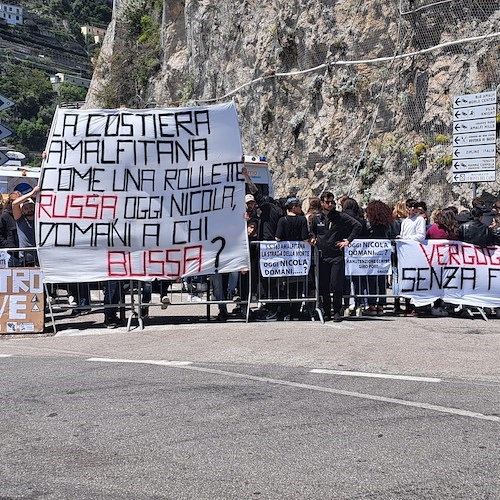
x: 5, y: 103
x: 481, y: 151
x: 3, y: 158
x: 487, y: 176
x: 463, y: 101
x: 488, y: 137
x: 475, y: 112
x: 474, y: 138
x: 473, y: 165
x: 469, y: 126
x: 5, y: 132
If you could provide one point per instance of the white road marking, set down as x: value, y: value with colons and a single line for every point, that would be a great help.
x: 338, y: 326
x: 185, y: 365
x: 375, y: 375
x: 5, y: 355
x: 84, y: 333
x: 143, y: 361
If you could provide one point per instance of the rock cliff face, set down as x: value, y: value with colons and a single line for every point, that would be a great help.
x: 372, y: 116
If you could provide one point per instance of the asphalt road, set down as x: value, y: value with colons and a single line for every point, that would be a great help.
x: 388, y: 408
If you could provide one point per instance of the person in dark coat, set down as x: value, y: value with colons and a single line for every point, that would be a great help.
x: 292, y: 227
x: 380, y: 226
x: 332, y: 232
x: 357, y: 282
x: 8, y: 230
x: 474, y: 231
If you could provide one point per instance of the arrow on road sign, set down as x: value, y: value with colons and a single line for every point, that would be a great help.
x: 5, y: 132
x: 5, y: 103
x: 3, y: 158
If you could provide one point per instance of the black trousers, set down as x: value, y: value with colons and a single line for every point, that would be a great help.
x: 331, y: 280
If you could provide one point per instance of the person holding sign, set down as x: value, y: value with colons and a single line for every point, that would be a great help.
x: 332, y: 232
x: 23, y: 210
x: 292, y: 227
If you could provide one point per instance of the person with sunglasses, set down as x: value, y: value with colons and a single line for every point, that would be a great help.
x: 332, y: 232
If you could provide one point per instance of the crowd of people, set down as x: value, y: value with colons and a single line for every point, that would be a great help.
x: 332, y: 224
x: 329, y: 224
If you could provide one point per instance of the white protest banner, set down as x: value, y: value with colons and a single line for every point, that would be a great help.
x: 142, y: 194
x: 284, y: 258
x: 368, y: 257
x: 457, y: 272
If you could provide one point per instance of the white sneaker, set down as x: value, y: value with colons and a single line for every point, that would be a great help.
x: 359, y: 312
x: 165, y: 302
x: 71, y: 300
x: 194, y: 298
x: 438, y: 311
x: 347, y: 312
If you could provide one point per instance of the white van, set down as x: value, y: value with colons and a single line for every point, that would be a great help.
x: 258, y: 170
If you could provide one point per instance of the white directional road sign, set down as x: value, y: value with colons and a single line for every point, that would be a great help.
x: 5, y: 103
x: 474, y: 165
x: 475, y: 112
x: 488, y: 137
x: 474, y: 138
x: 5, y: 132
x: 487, y: 176
x: 463, y: 101
x: 482, y: 151
x: 480, y: 125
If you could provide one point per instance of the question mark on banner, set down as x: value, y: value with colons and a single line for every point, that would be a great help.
x: 223, y: 245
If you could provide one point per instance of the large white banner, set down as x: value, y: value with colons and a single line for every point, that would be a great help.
x: 457, y: 272
x: 368, y: 257
x: 284, y: 258
x: 142, y: 194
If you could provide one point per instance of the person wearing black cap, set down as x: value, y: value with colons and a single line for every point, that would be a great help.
x: 292, y: 227
x: 269, y: 214
x: 332, y: 231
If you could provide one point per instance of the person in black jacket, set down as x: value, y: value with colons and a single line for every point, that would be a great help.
x: 292, y: 227
x: 269, y: 215
x: 332, y: 232
x: 474, y: 231
x: 495, y: 230
x: 356, y: 283
x: 8, y: 230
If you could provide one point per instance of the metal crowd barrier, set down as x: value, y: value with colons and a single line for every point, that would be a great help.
x: 289, y: 297
x: 251, y: 294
